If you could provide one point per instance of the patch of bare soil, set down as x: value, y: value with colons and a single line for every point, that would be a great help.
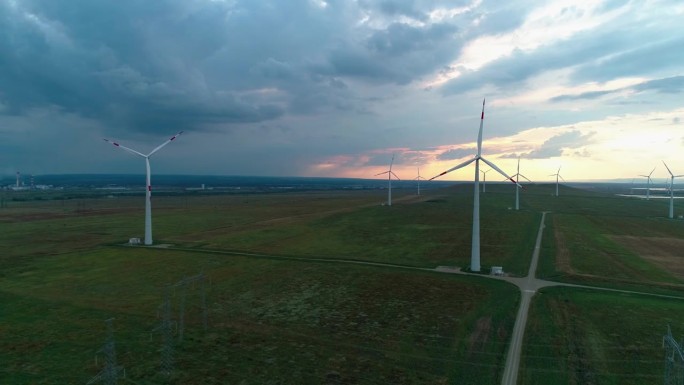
x: 562, y: 251
x: 667, y: 253
x: 478, y: 338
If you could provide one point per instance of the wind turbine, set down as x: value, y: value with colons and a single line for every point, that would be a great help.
x: 557, y: 175
x: 418, y: 178
x: 648, y: 183
x: 517, y: 181
x: 389, y: 181
x: 672, y: 176
x: 484, y: 180
x: 475, y: 246
x: 148, y: 193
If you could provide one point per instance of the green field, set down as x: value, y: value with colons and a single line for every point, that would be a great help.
x: 592, y: 337
x: 298, y: 312
x: 269, y: 321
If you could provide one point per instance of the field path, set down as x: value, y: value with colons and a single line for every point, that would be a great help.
x: 528, y: 286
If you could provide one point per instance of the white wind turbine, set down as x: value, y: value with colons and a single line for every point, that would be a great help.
x: 557, y: 175
x: 672, y: 176
x: 484, y: 180
x: 475, y: 246
x: 389, y: 181
x: 418, y: 178
x: 148, y: 193
x: 648, y: 183
x: 517, y: 181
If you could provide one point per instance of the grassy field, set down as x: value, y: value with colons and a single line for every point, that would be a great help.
x: 274, y: 320
x: 431, y: 231
x: 270, y: 321
x: 599, y: 239
x: 592, y: 337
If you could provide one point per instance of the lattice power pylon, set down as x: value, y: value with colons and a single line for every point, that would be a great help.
x: 111, y: 372
x: 674, y: 360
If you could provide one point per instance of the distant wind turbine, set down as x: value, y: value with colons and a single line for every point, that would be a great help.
x: 517, y: 181
x: 672, y: 176
x: 648, y: 183
x: 389, y: 181
x: 475, y: 246
x: 418, y: 178
x: 557, y: 175
x: 148, y: 193
x: 484, y: 180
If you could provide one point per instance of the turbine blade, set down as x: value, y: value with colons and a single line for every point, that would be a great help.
x: 479, y: 135
x: 649, y: 174
x: 395, y: 175
x: 384, y: 172
x: 668, y: 169
x: 392, y: 162
x: 492, y: 165
x: 132, y: 151
x: 561, y: 177
x: 164, y: 144
x: 526, y: 178
x: 467, y: 162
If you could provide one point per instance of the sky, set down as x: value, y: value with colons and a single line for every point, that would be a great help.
x: 334, y: 88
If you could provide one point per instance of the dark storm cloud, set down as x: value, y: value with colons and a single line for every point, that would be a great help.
x: 554, y: 146
x: 156, y: 66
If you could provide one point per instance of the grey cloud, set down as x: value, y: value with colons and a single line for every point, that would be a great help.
x: 670, y: 85
x: 498, y: 17
x: 583, y: 95
x: 456, y: 153
x: 649, y: 57
x: 555, y: 145
x: 601, y: 54
x: 400, y: 38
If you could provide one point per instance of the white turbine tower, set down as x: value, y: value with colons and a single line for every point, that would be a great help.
x: 484, y: 180
x: 557, y: 175
x: 148, y: 192
x: 475, y: 246
x: 517, y: 181
x: 672, y: 176
x: 418, y: 178
x: 648, y: 183
x: 389, y: 181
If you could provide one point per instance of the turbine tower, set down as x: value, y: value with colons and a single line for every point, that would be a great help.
x: 389, y: 181
x: 418, y: 178
x: 484, y: 180
x: 672, y: 176
x: 648, y: 183
x: 148, y: 191
x: 557, y: 175
x: 517, y: 181
x: 475, y: 246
